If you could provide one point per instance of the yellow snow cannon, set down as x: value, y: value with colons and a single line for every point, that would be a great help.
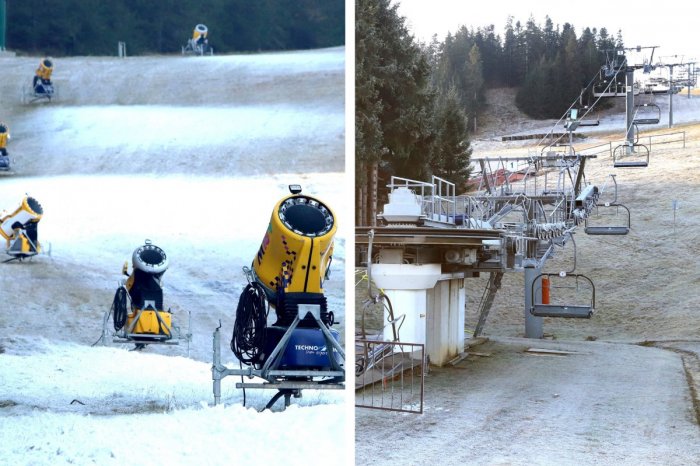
x: 45, y: 69
x: 296, y: 253
x: 4, y: 157
x: 144, y: 321
x: 42, y: 87
x: 199, y: 43
x: 300, y: 349
x: 200, y: 32
x: 20, y: 229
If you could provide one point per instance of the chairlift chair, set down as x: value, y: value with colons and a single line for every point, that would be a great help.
x: 620, y: 229
x: 647, y: 114
x: 573, y: 121
x: 631, y: 156
x: 572, y: 311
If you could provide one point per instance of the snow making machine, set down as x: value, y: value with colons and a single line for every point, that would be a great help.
x: 137, y: 310
x: 4, y: 157
x: 20, y: 229
x: 199, y: 43
x: 42, y: 88
x: 299, y: 350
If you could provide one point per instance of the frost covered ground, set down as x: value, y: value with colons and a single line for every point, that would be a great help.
x: 191, y: 153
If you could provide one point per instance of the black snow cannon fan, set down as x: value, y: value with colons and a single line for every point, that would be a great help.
x: 300, y: 349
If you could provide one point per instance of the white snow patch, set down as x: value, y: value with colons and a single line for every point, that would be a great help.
x: 134, y: 408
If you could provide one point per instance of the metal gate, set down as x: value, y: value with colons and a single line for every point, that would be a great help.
x: 389, y: 375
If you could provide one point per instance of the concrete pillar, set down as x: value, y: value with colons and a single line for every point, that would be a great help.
x: 533, y: 324
x: 406, y: 286
x: 412, y: 305
x: 445, y: 326
x: 432, y: 306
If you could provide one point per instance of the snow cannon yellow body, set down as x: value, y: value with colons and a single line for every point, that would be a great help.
x: 19, y: 229
x: 200, y: 32
x: 4, y: 137
x: 45, y: 69
x: 295, y: 255
x: 4, y: 157
x: 297, y: 247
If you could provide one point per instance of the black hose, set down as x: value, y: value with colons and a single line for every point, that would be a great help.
x: 248, y: 339
x: 119, y: 308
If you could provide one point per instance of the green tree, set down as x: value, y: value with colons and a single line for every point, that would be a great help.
x: 452, y: 149
x: 93, y: 27
x: 474, y: 85
x: 393, y: 100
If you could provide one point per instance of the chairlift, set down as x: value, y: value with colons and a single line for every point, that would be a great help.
x: 620, y: 228
x: 647, y: 114
x: 572, y: 311
x: 631, y: 156
x: 603, y: 88
x: 595, y: 122
x: 573, y: 121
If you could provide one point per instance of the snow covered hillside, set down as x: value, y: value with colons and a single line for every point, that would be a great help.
x: 191, y: 153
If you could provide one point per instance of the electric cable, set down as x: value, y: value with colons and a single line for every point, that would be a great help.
x: 119, y: 308
x: 248, y: 339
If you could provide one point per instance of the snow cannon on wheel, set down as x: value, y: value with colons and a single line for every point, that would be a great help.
x: 299, y: 350
x: 137, y: 310
x: 199, y: 43
x: 42, y: 88
x: 20, y: 229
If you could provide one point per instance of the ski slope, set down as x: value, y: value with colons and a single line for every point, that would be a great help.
x: 191, y: 153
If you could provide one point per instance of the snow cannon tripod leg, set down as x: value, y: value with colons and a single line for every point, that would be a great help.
x: 215, y: 368
x: 219, y: 371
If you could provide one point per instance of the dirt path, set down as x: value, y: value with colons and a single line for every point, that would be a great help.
x: 606, y: 404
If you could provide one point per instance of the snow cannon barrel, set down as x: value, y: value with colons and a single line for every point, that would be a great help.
x: 29, y: 211
x: 200, y: 30
x: 297, y: 248
x: 296, y: 252
x: 150, y: 259
x: 45, y: 69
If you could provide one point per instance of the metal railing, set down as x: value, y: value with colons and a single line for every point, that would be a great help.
x: 597, y: 150
x: 437, y: 198
x: 659, y: 139
x: 442, y: 205
x: 389, y: 376
x: 653, y: 138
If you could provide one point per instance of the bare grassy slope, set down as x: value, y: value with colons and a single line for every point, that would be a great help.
x: 232, y: 115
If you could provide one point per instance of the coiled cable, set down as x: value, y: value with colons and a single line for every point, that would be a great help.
x: 119, y: 308
x: 248, y: 339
